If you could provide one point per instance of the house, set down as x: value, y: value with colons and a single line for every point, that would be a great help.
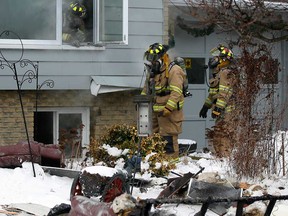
x: 94, y: 83
x: 91, y: 84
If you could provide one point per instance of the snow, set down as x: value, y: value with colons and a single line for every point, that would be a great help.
x: 186, y: 141
x: 101, y: 170
x: 20, y: 186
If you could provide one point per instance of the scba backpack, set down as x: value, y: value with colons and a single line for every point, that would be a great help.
x: 180, y: 62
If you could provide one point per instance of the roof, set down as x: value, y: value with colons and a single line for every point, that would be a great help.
x: 104, y: 84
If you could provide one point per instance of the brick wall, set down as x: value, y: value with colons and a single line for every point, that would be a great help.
x: 11, y: 121
x: 105, y: 110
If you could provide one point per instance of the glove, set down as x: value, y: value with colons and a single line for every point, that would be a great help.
x: 75, y: 43
x: 203, y: 111
x: 216, y: 113
x: 166, y: 112
x: 80, y: 35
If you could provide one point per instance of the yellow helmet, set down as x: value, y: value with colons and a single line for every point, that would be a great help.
x: 155, y: 52
x: 223, y: 56
x: 78, y: 9
x: 223, y: 52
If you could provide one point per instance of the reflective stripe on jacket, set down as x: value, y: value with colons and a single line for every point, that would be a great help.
x: 225, y: 89
x: 168, y: 91
x: 221, y: 90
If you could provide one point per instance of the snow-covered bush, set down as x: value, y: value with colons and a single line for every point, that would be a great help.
x: 121, y: 141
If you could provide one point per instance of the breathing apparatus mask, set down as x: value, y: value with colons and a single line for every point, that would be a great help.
x: 156, y: 66
x: 218, y: 62
x: 213, y: 62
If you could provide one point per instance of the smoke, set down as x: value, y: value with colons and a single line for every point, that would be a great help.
x: 30, y: 19
x: 33, y: 20
x: 173, y: 53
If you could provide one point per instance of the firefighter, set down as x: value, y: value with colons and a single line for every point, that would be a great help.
x: 219, y: 99
x: 73, y: 24
x: 165, y: 83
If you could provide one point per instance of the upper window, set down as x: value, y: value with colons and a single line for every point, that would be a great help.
x: 111, y: 27
x: 78, y: 23
x: 33, y: 21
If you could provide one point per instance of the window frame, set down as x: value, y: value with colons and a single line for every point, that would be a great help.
x: 58, y: 39
x: 124, y: 25
x: 85, y: 116
x: 57, y: 43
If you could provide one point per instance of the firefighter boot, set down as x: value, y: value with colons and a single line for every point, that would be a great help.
x: 169, y: 146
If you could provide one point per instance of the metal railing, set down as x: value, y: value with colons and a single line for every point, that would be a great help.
x: 241, y: 202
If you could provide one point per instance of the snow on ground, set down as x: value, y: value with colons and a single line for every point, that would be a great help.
x: 20, y: 186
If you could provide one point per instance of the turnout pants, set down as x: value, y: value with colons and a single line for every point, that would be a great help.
x: 169, y: 128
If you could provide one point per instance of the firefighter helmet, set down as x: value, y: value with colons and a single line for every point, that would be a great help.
x: 78, y: 9
x: 155, y: 52
x: 226, y: 53
x: 222, y: 57
x: 222, y: 52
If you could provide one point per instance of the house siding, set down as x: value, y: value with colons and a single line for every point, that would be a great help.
x: 71, y: 70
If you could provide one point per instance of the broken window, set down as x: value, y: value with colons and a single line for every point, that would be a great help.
x: 43, y: 22
x: 29, y: 19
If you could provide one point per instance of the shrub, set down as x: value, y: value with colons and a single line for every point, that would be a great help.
x: 125, y: 137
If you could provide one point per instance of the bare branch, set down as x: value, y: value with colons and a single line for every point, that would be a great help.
x: 253, y: 19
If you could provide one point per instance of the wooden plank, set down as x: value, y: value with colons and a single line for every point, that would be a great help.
x: 61, y: 172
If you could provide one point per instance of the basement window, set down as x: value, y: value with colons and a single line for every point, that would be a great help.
x: 42, y: 22
x: 67, y: 126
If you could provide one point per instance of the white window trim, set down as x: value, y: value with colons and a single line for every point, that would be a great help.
x: 124, y: 25
x: 57, y: 43
x: 85, y: 113
x: 125, y: 22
